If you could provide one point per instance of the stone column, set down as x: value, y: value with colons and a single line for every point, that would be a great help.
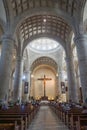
x: 17, y: 90
x: 59, y: 83
x: 81, y: 45
x: 5, y: 65
x: 72, y: 88
x: 78, y: 85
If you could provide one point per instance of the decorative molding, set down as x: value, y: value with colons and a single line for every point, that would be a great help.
x: 44, y: 61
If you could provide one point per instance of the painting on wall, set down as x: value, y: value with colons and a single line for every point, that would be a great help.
x: 63, y: 88
x: 26, y: 88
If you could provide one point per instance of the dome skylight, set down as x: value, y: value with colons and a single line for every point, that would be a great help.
x: 44, y: 44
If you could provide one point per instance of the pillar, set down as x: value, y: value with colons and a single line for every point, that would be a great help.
x: 29, y: 82
x: 72, y: 88
x: 5, y: 65
x: 81, y: 45
x: 17, y: 90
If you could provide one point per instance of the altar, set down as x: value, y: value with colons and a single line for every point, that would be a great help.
x: 44, y: 98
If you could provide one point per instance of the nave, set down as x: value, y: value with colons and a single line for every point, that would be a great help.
x: 46, y: 120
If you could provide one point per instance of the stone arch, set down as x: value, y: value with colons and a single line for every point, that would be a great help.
x: 44, y: 11
x: 8, y: 15
x: 25, y: 59
x: 56, y: 28
x: 44, y: 60
x: 60, y: 8
x: 83, y: 9
x: 63, y: 9
x: 46, y: 64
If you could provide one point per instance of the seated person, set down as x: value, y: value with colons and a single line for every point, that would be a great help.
x: 84, y: 109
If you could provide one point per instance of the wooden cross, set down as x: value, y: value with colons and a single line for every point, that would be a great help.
x: 44, y: 81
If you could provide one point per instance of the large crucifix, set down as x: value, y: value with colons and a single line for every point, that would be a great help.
x: 44, y: 82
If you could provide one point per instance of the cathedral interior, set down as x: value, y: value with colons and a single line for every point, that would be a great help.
x: 43, y: 52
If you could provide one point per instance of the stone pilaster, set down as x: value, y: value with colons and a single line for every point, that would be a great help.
x: 72, y: 88
x: 81, y: 45
x: 17, y: 90
x: 5, y: 65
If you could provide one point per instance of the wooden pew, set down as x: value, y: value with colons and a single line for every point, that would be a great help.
x: 70, y: 112
x: 27, y: 114
x: 8, y: 126
x: 81, y: 124
x: 70, y: 117
x: 17, y: 122
x: 74, y: 119
x: 13, y: 115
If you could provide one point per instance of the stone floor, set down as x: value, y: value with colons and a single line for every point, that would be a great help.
x: 46, y: 120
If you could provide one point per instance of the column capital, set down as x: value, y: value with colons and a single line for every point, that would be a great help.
x: 80, y: 37
x: 7, y: 37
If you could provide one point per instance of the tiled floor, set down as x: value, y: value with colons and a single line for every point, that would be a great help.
x: 46, y: 120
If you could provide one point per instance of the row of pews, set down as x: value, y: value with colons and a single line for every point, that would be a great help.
x: 17, y: 117
x: 73, y: 117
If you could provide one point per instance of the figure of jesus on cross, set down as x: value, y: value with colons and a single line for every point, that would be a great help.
x: 44, y: 82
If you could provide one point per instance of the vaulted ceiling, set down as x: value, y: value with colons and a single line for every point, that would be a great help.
x: 35, y: 25
x: 70, y: 6
x: 44, y: 25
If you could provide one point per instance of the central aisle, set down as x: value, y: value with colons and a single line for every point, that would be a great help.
x: 46, y: 120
